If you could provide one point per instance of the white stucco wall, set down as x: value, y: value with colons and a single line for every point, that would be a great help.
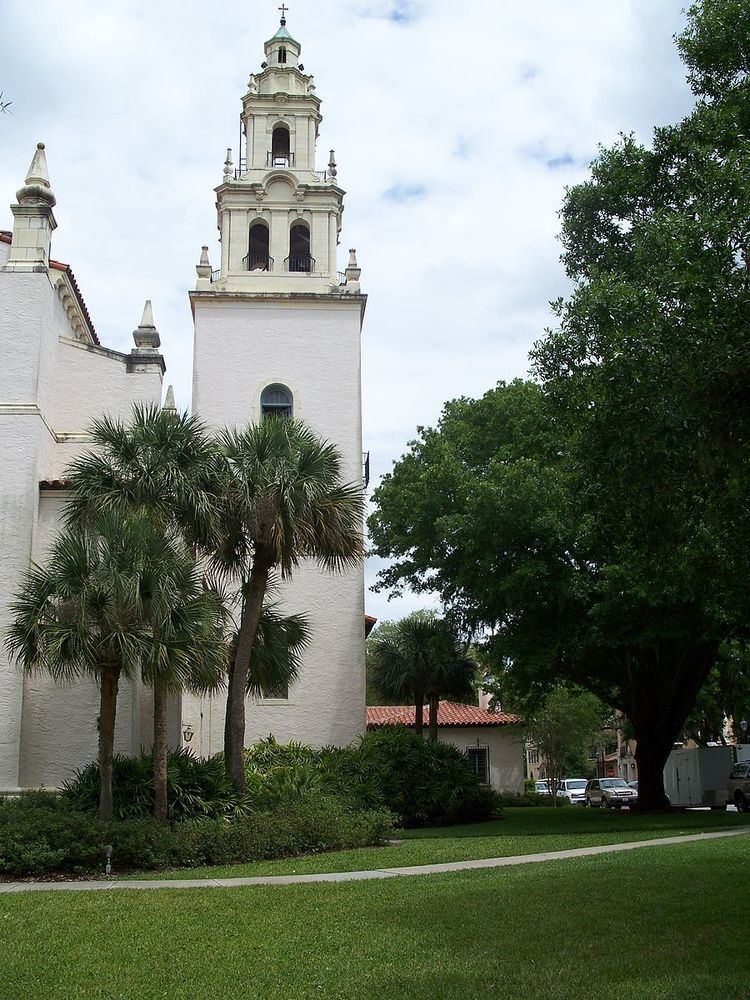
x: 505, y: 746
x: 243, y: 344
x: 51, y: 387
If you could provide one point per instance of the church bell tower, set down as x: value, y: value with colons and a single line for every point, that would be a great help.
x: 277, y: 329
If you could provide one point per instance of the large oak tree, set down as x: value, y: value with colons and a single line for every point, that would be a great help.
x: 596, y: 521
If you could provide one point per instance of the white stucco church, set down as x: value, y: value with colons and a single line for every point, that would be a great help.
x: 276, y: 327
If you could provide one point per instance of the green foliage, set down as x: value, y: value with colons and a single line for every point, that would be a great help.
x: 420, y: 658
x: 566, y: 724
x: 527, y: 798
x: 596, y: 522
x: 422, y: 783
x: 45, y: 837
x: 196, y: 787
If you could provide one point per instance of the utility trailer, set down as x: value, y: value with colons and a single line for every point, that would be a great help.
x: 698, y: 776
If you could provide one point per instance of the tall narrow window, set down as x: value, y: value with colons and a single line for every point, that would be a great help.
x: 280, y: 155
x: 479, y: 763
x: 282, y: 54
x: 299, y: 258
x: 276, y: 401
x: 257, y: 258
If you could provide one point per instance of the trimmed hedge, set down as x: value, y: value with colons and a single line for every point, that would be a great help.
x: 43, y: 834
x: 529, y: 799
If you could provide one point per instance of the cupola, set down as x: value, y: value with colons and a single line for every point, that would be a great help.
x: 283, y: 51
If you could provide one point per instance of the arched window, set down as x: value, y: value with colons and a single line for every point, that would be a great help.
x: 282, y: 54
x: 280, y: 156
x: 257, y: 258
x: 299, y: 258
x: 276, y: 401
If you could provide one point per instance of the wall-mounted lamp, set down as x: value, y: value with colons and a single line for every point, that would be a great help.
x: 187, y: 733
x: 743, y: 727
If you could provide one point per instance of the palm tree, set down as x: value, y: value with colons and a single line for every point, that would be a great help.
x: 188, y: 650
x: 421, y: 659
x: 162, y: 462
x: 284, y: 502
x: 85, y: 614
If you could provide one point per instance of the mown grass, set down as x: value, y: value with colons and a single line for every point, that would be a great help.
x: 657, y: 924
x: 521, y: 831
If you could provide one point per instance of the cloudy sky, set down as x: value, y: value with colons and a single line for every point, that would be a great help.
x: 456, y: 127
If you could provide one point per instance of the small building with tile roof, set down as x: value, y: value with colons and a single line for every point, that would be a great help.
x: 492, y: 741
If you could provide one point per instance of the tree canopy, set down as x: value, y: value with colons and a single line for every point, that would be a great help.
x: 595, y: 521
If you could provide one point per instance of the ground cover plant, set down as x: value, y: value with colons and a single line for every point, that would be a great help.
x: 538, y: 931
x: 519, y: 832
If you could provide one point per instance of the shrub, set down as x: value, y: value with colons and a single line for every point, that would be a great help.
x: 195, y: 787
x: 529, y: 799
x: 424, y: 784
x: 44, y: 838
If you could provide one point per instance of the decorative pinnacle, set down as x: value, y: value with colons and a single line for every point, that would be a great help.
x: 332, y: 171
x: 36, y: 189
x: 169, y: 404
x: 147, y: 319
x: 204, y: 255
x: 228, y: 166
x: 147, y: 337
x: 38, y: 171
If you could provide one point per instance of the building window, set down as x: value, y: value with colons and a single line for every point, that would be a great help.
x: 479, y: 762
x: 282, y: 55
x: 278, y: 693
x: 276, y: 401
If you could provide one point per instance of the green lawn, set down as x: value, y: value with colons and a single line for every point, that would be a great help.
x: 659, y: 923
x: 522, y: 831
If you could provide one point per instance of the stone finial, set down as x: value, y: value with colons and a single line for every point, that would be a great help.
x: 353, y: 270
x: 36, y: 189
x: 203, y: 269
x: 252, y: 86
x: 38, y: 171
x: 228, y: 166
x: 146, y: 336
x: 332, y: 171
x: 169, y: 404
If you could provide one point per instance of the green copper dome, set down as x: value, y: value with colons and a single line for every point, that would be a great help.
x: 282, y: 35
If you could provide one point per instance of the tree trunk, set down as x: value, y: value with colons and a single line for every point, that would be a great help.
x: 651, y: 752
x: 419, y: 715
x: 161, y: 804
x: 107, y: 712
x: 660, y: 706
x: 234, y: 730
x: 434, y: 705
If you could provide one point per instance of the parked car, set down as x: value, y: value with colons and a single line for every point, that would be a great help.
x: 541, y: 787
x: 574, y: 790
x: 738, y: 789
x: 610, y: 793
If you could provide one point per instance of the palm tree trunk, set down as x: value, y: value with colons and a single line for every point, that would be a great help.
x: 161, y: 805
x: 234, y: 730
x: 419, y: 715
x: 107, y: 712
x: 434, y: 705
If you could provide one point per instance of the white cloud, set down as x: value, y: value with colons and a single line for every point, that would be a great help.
x: 456, y: 129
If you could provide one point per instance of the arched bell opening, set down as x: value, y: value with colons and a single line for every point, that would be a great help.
x: 299, y: 258
x: 258, y: 258
x: 280, y: 147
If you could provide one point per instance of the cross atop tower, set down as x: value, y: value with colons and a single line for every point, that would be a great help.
x: 283, y: 8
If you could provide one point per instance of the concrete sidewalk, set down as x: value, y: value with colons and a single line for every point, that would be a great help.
x: 451, y: 866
